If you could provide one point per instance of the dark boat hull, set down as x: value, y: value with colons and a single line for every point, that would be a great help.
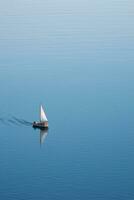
x: 41, y: 125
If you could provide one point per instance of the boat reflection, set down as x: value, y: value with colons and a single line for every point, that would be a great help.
x: 43, y: 135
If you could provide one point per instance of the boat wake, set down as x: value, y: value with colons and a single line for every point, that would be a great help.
x: 15, y: 121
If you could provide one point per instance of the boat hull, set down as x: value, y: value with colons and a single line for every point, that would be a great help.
x: 41, y: 125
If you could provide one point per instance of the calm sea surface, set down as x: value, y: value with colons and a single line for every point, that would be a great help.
x: 77, y: 59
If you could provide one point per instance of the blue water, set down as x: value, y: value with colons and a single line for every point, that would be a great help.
x: 75, y: 58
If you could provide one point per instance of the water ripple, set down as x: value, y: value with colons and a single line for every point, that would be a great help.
x: 15, y: 121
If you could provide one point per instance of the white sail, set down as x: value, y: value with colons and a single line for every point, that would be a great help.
x: 42, y: 115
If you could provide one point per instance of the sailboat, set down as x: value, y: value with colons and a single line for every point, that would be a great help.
x: 43, y: 123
